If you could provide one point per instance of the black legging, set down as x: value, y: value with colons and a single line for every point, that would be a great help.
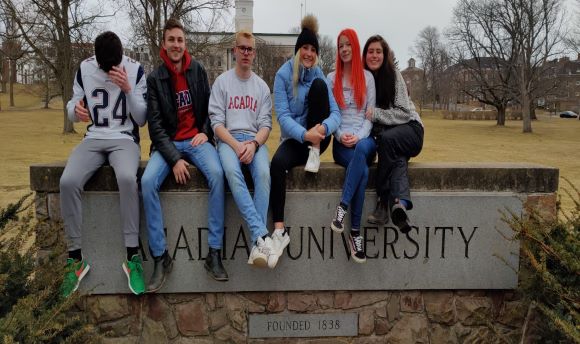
x: 292, y: 153
x: 395, y: 146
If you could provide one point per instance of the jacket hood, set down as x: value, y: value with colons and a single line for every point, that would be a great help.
x: 186, y: 61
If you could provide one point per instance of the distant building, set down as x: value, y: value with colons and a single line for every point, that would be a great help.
x: 563, y: 83
x: 415, y: 80
x: 461, y: 78
x: 216, y: 53
x: 142, y: 54
x: 215, y: 49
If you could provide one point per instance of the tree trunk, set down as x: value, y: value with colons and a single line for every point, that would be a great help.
x: 12, y: 80
x: 67, y: 73
x: 501, y: 115
x: 46, y: 90
x: 3, y: 76
x: 526, y: 114
x: 525, y: 101
x: 66, y: 91
x: 533, y: 111
x: 68, y: 126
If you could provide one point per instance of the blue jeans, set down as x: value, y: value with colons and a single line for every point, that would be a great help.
x: 356, y: 161
x: 205, y: 158
x: 254, y: 211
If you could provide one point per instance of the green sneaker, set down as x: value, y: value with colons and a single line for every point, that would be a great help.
x: 74, y: 272
x: 134, y: 270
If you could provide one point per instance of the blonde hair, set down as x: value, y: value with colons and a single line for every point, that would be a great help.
x: 245, y: 34
x: 296, y: 70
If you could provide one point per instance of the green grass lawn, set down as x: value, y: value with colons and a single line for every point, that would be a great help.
x: 30, y: 135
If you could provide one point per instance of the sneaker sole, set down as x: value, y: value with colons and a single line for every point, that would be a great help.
x: 352, y: 254
x: 336, y: 229
x: 357, y: 259
x: 81, y: 276
x: 260, y: 262
x: 129, y: 281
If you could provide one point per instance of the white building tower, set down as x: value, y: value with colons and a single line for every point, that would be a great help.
x: 244, y: 15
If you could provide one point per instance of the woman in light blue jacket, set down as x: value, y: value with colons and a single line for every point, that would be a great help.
x: 353, y: 148
x: 308, y: 115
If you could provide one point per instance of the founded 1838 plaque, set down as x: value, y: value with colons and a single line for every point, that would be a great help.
x: 303, y: 325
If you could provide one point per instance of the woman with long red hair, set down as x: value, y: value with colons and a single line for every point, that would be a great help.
x: 353, y: 148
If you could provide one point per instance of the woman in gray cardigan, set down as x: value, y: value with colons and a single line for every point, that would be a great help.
x: 398, y: 132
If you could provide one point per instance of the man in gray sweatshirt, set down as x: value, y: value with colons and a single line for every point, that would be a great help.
x: 240, y: 110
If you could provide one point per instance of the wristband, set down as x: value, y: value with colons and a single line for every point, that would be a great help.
x: 257, y: 144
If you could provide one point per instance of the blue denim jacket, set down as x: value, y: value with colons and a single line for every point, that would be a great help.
x: 291, y: 111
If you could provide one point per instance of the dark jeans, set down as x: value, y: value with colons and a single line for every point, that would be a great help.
x: 292, y: 153
x: 356, y: 160
x: 395, y: 146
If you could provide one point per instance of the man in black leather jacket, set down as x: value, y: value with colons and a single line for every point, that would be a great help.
x: 178, y: 95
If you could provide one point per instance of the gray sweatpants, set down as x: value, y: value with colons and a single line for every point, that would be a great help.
x: 86, y: 158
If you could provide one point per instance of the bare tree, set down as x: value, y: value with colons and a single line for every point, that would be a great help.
x: 327, y: 55
x: 213, y: 38
x: 269, y: 58
x: 503, y: 45
x: 49, y: 28
x: 12, y: 50
x: 434, y: 61
x: 2, y: 55
x: 485, y: 54
x: 148, y: 17
x: 572, y: 39
x: 537, y: 26
x: 2, y: 58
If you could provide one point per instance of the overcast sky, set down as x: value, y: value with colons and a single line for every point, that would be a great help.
x: 398, y: 21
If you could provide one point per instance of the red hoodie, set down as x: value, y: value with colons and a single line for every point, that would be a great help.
x: 186, y: 128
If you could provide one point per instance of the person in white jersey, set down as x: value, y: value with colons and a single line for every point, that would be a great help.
x: 240, y: 110
x: 110, y: 92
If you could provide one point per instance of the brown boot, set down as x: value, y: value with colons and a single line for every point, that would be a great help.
x: 380, y: 216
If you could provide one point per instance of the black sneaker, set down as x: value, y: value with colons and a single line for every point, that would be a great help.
x: 356, y: 248
x: 400, y: 218
x: 336, y: 223
x: 380, y: 216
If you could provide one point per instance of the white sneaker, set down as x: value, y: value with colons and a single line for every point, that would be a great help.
x: 260, y: 252
x: 313, y: 163
x: 280, y: 240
